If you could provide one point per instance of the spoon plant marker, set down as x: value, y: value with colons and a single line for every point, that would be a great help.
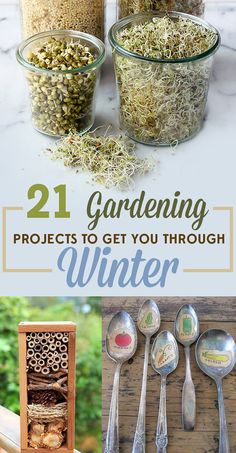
x: 148, y: 323
x: 164, y: 359
x: 216, y: 357
x: 121, y: 344
x: 186, y: 333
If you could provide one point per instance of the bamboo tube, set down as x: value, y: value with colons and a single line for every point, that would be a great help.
x: 44, y: 341
x: 55, y: 367
x: 63, y: 348
x: 50, y: 355
x: 45, y: 348
x: 57, y: 359
x: 44, y: 355
x: 64, y: 364
x: 51, y: 340
x: 33, y: 362
x: 37, y: 340
x: 45, y: 370
x: 41, y: 362
x: 40, y: 334
x: 59, y: 335
x: 37, y: 369
x: 47, y: 335
x: 50, y: 362
x: 28, y: 337
x: 64, y: 356
x: 37, y: 355
x: 58, y: 343
x: 30, y: 353
x: 33, y: 334
x: 37, y: 347
x: 31, y: 344
x: 65, y: 339
x: 52, y: 347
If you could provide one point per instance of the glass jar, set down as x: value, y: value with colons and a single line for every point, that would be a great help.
x: 161, y: 102
x: 62, y: 101
x: 192, y: 7
x: 80, y: 15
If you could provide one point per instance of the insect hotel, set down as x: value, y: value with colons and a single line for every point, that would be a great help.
x: 47, y: 386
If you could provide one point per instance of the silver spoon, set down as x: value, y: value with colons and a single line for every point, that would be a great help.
x: 216, y: 356
x: 186, y: 333
x: 149, y: 320
x: 121, y: 344
x: 164, y: 359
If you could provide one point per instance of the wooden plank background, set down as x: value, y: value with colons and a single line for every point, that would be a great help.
x: 213, y: 312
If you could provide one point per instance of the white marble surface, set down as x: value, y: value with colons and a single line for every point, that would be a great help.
x: 22, y: 147
x: 203, y: 167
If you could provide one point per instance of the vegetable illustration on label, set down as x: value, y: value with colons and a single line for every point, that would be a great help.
x: 165, y: 355
x: 213, y: 357
x: 123, y: 340
x: 149, y: 319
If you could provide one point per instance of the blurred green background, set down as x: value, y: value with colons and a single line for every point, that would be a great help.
x: 86, y: 312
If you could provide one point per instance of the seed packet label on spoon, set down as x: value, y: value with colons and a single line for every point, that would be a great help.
x: 165, y: 355
x: 212, y: 357
x: 187, y: 327
x: 122, y: 340
x: 149, y: 321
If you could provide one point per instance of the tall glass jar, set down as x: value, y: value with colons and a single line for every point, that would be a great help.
x: 62, y: 101
x: 82, y: 15
x: 161, y: 101
x: 128, y: 7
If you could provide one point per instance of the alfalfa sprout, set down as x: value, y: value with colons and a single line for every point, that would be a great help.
x: 162, y: 103
x: 110, y: 159
x: 194, y: 7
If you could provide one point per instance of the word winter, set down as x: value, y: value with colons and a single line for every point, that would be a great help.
x: 97, y: 267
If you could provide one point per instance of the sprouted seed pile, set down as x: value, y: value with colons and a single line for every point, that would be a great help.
x: 110, y: 159
x: 61, y: 103
x: 167, y: 38
x: 81, y: 15
x: 194, y: 7
x: 162, y: 103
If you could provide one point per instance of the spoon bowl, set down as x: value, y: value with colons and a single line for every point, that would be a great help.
x: 186, y: 325
x: 149, y: 318
x: 165, y: 353
x: 187, y: 332
x: 121, y: 339
x: 215, y: 353
x: 121, y: 344
x: 149, y: 321
x: 216, y: 357
x: 164, y: 359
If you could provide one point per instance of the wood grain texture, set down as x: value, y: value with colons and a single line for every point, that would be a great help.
x: 212, y: 312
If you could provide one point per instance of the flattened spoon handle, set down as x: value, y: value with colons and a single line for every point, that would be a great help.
x: 188, y: 396
x: 139, y: 438
x: 112, y: 439
x: 161, y: 436
x: 224, y: 438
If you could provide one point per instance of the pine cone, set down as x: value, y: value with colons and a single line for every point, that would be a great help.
x: 45, y: 397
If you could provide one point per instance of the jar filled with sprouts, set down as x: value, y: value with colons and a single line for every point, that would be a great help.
x: 80, y: 15
x: 128, y: 7
x: 163, y: 65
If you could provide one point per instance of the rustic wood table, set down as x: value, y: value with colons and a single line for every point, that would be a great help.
x: 212, y: 312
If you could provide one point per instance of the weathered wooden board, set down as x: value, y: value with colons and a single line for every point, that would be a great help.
x: 214, y: 312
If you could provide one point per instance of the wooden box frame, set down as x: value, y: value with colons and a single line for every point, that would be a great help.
x: 23, y: 329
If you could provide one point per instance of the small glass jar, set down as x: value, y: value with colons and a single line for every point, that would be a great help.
x: 192, y: 7
x: 161, y: 102
x: 62, y: 101
x: 80, y: 15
